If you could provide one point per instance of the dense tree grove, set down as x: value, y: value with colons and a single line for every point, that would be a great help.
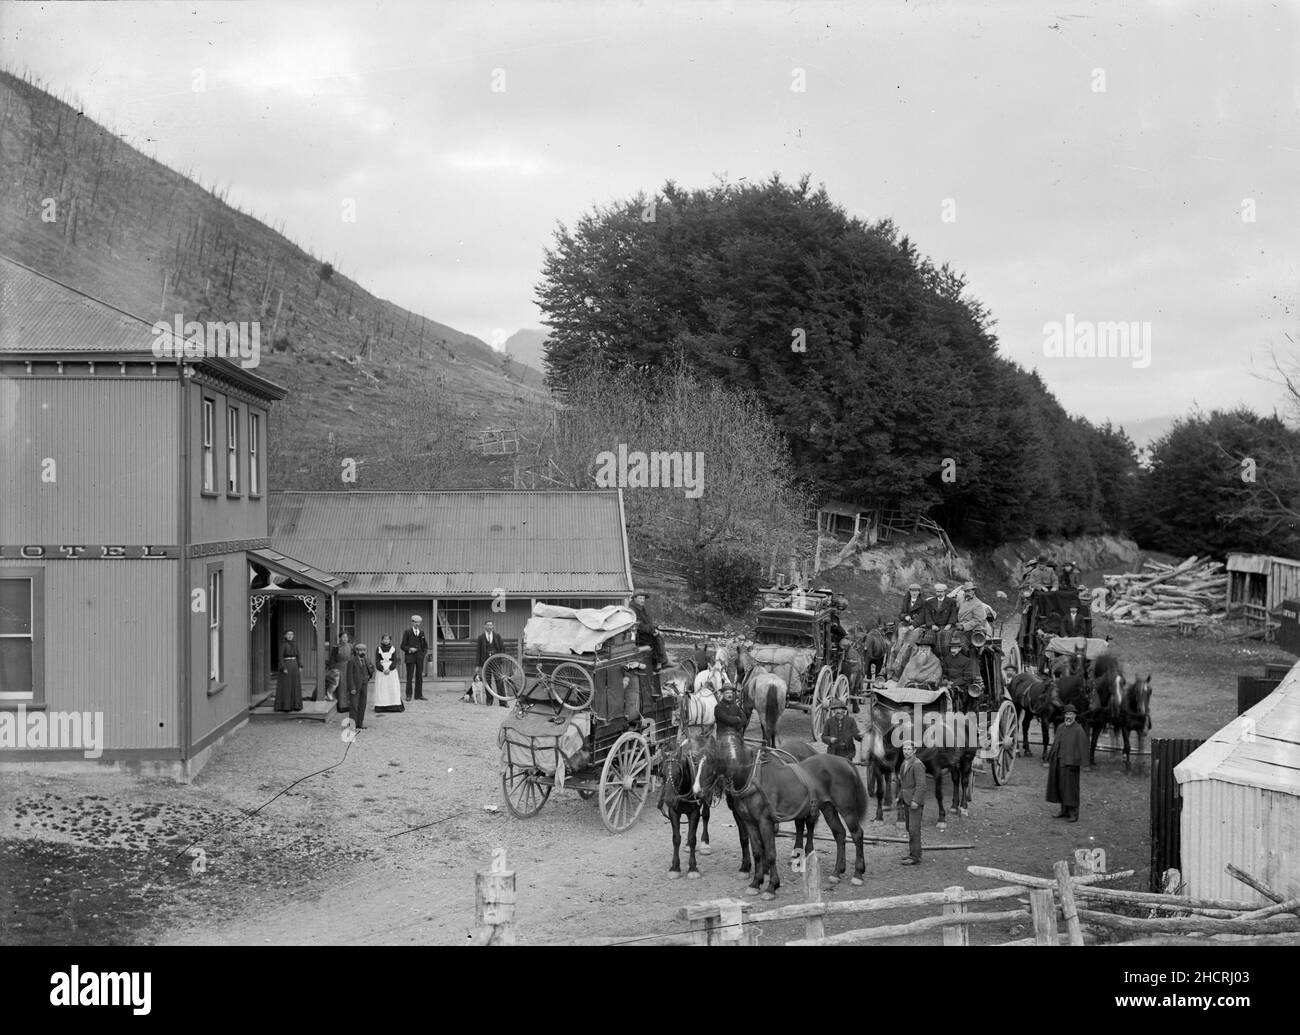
x: 876, y: 365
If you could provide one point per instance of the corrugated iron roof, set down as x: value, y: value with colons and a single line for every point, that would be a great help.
x: 470, y: 543
x: 38, y: 314
x: 1259, y: 748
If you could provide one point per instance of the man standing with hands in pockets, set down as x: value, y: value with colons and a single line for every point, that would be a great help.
x: 415, y: 645
x: 911, y: 791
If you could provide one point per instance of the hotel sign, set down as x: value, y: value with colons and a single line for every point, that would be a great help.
x: 81, y: 552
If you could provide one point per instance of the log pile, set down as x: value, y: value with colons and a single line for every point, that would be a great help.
x: 1194, y: 591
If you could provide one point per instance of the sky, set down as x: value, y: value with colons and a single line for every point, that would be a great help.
x: 1093, y: 164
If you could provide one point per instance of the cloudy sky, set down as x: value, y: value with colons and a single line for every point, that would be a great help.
x: 1097, y: 163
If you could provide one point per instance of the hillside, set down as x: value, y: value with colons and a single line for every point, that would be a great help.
x: 135, y: 233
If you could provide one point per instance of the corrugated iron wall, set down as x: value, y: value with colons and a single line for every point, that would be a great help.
x: 210, y: 713
x: 1166, y: 806
x: 113, y: 442
x: 110, y: 646
x: 1256, y: 830
x: 222, y: 518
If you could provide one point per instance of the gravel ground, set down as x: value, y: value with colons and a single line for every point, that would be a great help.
x: 381, y: 845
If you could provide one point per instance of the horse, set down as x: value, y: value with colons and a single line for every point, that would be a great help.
x: 882, y: 744
x: 678, y: 769
x: 765, y: 691
x: 764, y: 791
x: 852, y: 665
x: 1072, y: 664
x: 1033, y: 695
x: 875, y: 649
x: 965, y: 703
x: 1134, y: 713
x: 1108, y: 684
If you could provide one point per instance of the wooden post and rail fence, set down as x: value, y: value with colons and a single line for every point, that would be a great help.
x: 1075, y: 900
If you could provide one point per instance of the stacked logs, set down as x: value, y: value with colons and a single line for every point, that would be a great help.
x: 1194, y: 591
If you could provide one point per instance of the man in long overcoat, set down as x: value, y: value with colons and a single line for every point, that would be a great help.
x: 840, y: 732
x: 1064, y: 759
x: 911, y: 792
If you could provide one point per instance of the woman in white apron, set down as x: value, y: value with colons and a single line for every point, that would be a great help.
x: 388, y: 687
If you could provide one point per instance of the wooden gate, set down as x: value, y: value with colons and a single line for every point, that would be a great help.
x: 1166, y: 806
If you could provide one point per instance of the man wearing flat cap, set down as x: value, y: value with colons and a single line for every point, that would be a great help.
x: 646, y: 633
x: 911, y: 794
x: 909, y: 628
x: 972, y: 613
x: 939, y: 616
x: 1064, y: 759
x: 840, y: 733
x: 415, y: 645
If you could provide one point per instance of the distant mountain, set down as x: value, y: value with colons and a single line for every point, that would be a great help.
x: 1144, y: 432
x: 528, y: 346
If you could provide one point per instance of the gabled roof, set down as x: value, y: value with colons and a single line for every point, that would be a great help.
x: 1259, y: 748
x: 458, y: 543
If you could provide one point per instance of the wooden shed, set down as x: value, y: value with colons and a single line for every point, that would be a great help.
x: 1258, y: 584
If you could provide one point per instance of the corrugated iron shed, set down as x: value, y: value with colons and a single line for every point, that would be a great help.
x: 460, y: 543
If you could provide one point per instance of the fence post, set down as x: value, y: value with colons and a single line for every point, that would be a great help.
x: 1043, y: 909
x: 494, y: 901
x: 814, y: 926
x: 955, y: 934
x: 1088, y: 861
x: 1062, y: 871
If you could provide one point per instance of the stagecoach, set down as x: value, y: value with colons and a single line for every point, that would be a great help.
x: 795, y: 637
x: 588, y: 715
x: 1041, y: 623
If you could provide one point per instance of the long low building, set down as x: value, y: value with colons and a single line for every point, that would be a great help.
x: 456, y: 558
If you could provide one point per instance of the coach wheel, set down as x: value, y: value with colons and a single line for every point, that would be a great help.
x: 1005, y: 760
x: 503, y: 676
x: 625, y: 782
x: 820, y: 704
x: 1014, y: 661
x: 571, y: 685
x: 524, y: 794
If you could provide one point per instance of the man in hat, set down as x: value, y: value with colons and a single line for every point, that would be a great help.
x: 728, y: 716
x: 1064, y: 759
x: 972, y: 613
x: 923, y: 667
x: 646, y: 633
x: 909, y: 628
x: 1073, y: 623
x: 358, y: 676
x: 939, y: 616
x: 1069, y: 577
x: 961, y: 668
x: 415, y: 645
x: 911, y: 793
x: 841, y: 731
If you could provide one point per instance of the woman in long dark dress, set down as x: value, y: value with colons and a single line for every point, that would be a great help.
x: 288, y: 687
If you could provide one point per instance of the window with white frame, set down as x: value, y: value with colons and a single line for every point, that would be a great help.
x: 209, y: 432
x: 254, y: 447
x: 232, y: 449
x: 214, y: 625
x: 20, y: 630
x: 453, y: 616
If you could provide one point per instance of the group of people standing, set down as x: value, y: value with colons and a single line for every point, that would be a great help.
x: 350, y: 669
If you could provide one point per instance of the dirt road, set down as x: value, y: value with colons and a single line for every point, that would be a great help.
x: 382, y: 845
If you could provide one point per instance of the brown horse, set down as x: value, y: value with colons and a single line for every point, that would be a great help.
x: 1135, y: 713
x: 678, y: 769
x: 765, y: 691
x: 765, y: 791
x: 1073, y: 664
x: 1108, y: 688
x: 942, y: 747
x: 1034, y: 696
x: 875, y: 649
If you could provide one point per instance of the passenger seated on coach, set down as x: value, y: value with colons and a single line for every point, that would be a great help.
x: 923, y: 668
x: 962, y: 669
x: 909, y: 616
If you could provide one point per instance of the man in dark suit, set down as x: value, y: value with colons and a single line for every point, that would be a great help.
x: 489, y: 642
x: 1074, y: 624
x: 415, y: 645
x: 939, y: 616
x: 646, y: 633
